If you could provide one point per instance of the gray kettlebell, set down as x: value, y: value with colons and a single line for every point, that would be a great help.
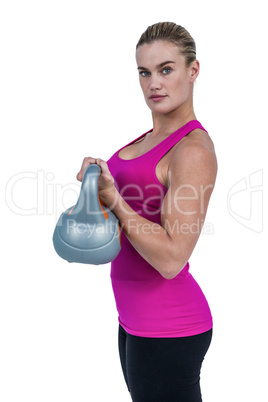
x: 89, y: 232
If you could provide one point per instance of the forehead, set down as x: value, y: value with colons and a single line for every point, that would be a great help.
x: 157, y: 52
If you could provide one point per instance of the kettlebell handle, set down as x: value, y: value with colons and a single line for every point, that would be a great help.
x: 90, y: 187
x: 89, y: 202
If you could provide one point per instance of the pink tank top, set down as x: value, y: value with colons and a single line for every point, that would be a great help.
x: 148, y: 304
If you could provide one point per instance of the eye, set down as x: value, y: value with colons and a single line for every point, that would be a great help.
x: 166, y: 70
x: 144, y: 73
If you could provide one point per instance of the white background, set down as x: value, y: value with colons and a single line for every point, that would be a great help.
x: 69, y: 89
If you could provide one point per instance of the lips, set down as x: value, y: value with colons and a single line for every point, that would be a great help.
x: 157, y: 97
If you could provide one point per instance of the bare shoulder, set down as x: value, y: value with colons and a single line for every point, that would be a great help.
x: 195, y: 153
x: 198, y: 140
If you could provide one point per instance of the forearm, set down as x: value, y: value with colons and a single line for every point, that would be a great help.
x: 150, y: 239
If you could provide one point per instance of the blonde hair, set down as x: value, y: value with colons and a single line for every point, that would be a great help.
x: 173, y: 33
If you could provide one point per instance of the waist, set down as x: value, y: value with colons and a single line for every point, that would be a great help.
x: 156, y: 307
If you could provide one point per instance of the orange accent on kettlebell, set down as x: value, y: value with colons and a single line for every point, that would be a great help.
x: 103, y: 210
x: 119, y: 231
x: 71, y: 211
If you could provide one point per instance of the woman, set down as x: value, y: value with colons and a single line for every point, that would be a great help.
x: 159, y: 187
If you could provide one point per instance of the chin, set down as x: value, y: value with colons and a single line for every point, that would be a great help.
x: 163, y: 110
x: 166, y: 109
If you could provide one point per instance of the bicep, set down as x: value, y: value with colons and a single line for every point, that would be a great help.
x: 192, y: 175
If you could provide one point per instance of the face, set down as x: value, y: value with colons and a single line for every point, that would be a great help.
x: 166, y: 82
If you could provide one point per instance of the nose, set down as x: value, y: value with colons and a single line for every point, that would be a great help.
x: 155, y: 83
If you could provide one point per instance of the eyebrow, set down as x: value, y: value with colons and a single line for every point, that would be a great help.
x: 158, y: 66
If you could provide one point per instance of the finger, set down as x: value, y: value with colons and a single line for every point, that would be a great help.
x: 102, y: 163
x: 86, y: 162
x: 107, y: 178
x: 104, y: 167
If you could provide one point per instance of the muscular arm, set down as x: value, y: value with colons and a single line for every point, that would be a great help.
x: 191, y: 178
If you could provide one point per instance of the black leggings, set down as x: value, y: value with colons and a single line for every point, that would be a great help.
x: 163, y: 369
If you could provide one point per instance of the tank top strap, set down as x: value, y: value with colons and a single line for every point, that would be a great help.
x: 136, y: 139
x: 164, y: 146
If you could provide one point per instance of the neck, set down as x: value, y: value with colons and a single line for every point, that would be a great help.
x: 168, y: 123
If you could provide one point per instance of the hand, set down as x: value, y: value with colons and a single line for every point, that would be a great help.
x: 106, y: 181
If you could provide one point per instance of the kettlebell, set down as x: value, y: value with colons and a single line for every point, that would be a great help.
x: 88, y: 232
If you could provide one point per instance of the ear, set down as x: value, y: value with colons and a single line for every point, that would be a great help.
x: 194, y: 70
